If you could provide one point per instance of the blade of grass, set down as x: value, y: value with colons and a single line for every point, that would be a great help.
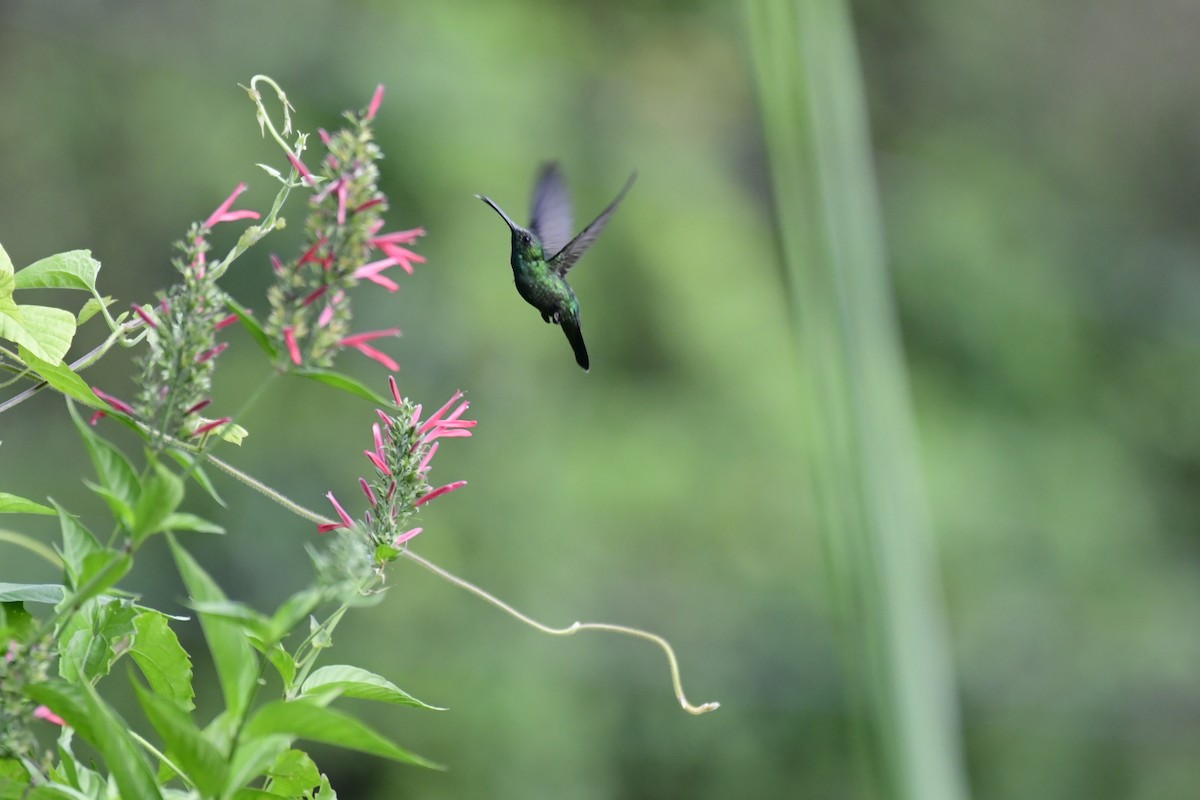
x: 869, y: 496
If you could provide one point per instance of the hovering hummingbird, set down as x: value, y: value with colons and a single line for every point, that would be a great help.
x: 543, y: 254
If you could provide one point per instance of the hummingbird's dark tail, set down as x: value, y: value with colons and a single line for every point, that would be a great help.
x: 575, y: 337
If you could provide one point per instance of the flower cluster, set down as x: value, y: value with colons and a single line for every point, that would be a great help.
x: 19, y: 668
x: 181, y: 333
x: 310, y: 309
x: 404, y: 446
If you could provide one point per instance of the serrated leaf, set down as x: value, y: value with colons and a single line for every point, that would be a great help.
x: 74, y: 269
x: 201, y: 762
x: 237, y: 666
x: 162, y: 659
x: 62, y: 378
x: 306, y: 720
x: 343, y: 382
x: 252, y: 327
x: 161, y: 494
x: 350, y: 681
x: 182, y: 521
x: 45, y: 331
x: 95, y: 637
x: 12, y: 504
x: 51, y: 593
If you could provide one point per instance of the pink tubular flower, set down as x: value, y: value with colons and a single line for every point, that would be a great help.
x: 371, y: 272
x: 208, y: 355
x: 359, y: 342
x: 404, y: 537
x: 341, y: 512
x: 208, y: 426
x: 41, y: 712
x: 146, y: 318
x: 438, y: 492
x: 303, y: 170
x: 226, y: 322
x: 289, y: 338
x: 115, y: 402
x: 223, y: 214
x: 99, y: 415
x: 376, y: 99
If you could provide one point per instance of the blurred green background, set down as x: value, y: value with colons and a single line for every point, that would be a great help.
x: 1039, y: 169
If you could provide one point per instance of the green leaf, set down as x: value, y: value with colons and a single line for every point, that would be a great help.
x: 283, y: 663
x: 163, y: 661
x: 253, y: 757
x: 249, y: 620
x: 294, y: 609
x: 6, y: 268
x: 91, y: 308
x: 253, y: 327
x: 237, y: 666
x: 78, y: 544
x: 95, y: 637
x: 161, y: 495
x: 63, y: 378
x: 82, y: 709
x: 294, y: 774
x: 74, y: 269
x: 339, y: 381
x: 15, y: 621
x: 201, y: 762
x: 350, y: 681
x: 12, y: 504
x: 306, y: 720
x: 197, y: 474
x: 121, y: 510
x: 101, y: 570
x: 51, y: 593
x: 31, y: 544
x: 44, y: 331
x: 113, y: 469
x: 180, y: 521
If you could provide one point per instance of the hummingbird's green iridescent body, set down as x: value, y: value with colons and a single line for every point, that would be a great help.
x: 542, y: 280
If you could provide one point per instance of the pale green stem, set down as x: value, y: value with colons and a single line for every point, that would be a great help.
x: 161, y: 757
x: 574, y: 627
x: 83, y: 362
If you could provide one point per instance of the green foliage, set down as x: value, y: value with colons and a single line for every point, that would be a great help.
x: 89, y: 623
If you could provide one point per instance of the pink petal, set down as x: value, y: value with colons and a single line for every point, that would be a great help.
x: 303, y: 170
x: 404, y: 537
x: 314, y: 295
x: 341, y: 512
x: 225, y: 323
x: 369, y: 204
x: 199, y: 406
x: 437, y: 415
x: 376, y: 99
x: 99, y: 415
x: 289, y: 338
x: 141, y: 312
x: 438, y: 492
x: 366, y: 487
x: 216, y: 423
x: 395, y: 390
x: 117, y: 403
x: 379, y: 463
x: 223, y: 214
x: 398, y: 237
x: 41, y: 712
x: 424, y: 465
x: 213, y: 353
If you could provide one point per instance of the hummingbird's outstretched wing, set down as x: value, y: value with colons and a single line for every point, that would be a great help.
x: 565, y: 259
x: 551, y: 217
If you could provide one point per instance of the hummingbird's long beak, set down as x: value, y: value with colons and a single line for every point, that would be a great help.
x: 512, y: 225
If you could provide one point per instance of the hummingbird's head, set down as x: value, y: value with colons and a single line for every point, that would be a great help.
x: 522, y: 240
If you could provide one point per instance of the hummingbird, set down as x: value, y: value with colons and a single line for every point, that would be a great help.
x: 543, y: 254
